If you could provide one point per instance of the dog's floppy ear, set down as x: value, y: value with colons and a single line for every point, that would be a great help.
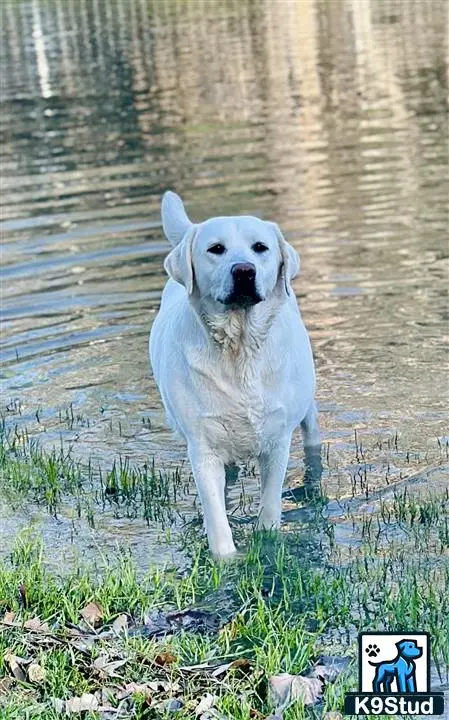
x: 174, y: 218
x: 290, y: 258
x: 178, y: 264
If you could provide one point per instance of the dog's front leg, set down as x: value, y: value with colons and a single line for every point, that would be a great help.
x: 209, y: 474
x: 273, y: 466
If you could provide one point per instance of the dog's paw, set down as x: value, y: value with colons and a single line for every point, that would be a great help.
x: 268, y: 521
x: 372, y: 650
x: 223, y: 551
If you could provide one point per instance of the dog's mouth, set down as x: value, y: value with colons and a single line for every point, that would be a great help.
x: 244, y: 299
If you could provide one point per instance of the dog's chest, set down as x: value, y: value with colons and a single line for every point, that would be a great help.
x: 244, y: 414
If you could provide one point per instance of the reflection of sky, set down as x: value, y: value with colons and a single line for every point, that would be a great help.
x: 330, y: 118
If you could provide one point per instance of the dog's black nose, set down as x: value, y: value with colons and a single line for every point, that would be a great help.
x: 243, y: 271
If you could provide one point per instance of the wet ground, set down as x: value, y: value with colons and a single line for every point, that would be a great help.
x: 330, y: 118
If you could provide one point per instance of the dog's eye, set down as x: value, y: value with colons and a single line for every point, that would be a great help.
x: 259, y: 247
x: 217, y: 249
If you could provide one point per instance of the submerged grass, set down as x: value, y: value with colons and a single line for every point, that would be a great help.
x: 288, y: 598
x: 51, y: 478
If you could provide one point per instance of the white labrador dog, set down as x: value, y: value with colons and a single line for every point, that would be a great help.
x: 232, y: 358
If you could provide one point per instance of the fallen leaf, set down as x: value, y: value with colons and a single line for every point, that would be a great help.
x: 134, y: 689
x: 8, y: 618
x: 92, y: 614
x: 332, y: 716
x: 285, y: 689
x: 36, y: 625
x: 87, y: 701
x: 308, y: 689
x: 15, y: 662
x: 106, y: 667
x: 170, y: 706
x: 120, y: 624
x: 206, y: 703
x: 36, y: 673
x: 58, y: 705
x: 159, y: 623
x: 165, y: 658
x: 5, y: 684
x: 147, y: 689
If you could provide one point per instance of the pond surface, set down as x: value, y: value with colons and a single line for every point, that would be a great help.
x: 330, y: 118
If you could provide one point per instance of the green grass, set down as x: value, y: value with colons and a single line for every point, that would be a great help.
x: 52, y: 478
x: 284, y: 611
x: 287, y: 599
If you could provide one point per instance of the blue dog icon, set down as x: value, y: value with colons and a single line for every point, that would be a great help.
x: 402, y: 669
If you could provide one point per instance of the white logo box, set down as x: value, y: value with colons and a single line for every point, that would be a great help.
x: 388, y: 651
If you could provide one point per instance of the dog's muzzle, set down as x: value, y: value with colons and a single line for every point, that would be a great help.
x: 244, y: 292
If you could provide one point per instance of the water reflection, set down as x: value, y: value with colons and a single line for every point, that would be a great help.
x: 329, y: 117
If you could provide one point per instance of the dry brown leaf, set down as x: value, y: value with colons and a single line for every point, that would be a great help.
x: 36, y: 673
x: 147, y: 689
x: 5, y: 684
x: 92, y: 614
x: 307, y: 689
x: 133, y: 689
x: 165, y: 658
x: 120, y: 624
x: 285, y: 689
x: 36, y: 625
x: 8, y: 618
x: 87, y: 701
x: 106, y: 667
x: 15, y: 664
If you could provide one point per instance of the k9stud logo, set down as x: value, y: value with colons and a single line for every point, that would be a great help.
x: 394, y: 676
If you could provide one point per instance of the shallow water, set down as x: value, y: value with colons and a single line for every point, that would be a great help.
x: 330, y: 118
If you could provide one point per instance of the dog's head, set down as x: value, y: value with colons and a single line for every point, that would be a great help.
x: 409, y: 649
x: 231, y: 262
